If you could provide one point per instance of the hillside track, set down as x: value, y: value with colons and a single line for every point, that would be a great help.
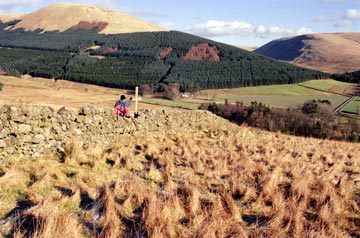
x: 344, y: 104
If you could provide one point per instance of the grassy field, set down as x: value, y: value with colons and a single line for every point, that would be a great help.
x: 171, y: 103
x: 48, y: 92
x: 326, y: 84
x: 353, y: 106
x: 282, y: 101
x: 219, y: 181
x: 284, y: 89
x: 40, y: 91
x: 289, y: 95
x: 283, y: 96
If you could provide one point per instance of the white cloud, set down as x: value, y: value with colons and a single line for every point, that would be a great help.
x: 214, y: 28
x: 276, y: 31
x: 352, y: 14
x: 17, y: 2
x: 303, y: 31
x: 9, y: 5
x: 349, y: 17
x: 260, y: 29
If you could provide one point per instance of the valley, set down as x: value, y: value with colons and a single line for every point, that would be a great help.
x: 227, y: 142
x: 30, y: 90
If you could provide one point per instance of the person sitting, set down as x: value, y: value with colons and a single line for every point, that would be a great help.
x: 122, y: 107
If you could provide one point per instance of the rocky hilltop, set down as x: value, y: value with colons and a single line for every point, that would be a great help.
x: 34, y: 131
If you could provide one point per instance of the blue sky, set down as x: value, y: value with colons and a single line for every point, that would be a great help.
x: 237, y: 22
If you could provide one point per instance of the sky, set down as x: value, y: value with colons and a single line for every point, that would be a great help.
x: 235, y: 22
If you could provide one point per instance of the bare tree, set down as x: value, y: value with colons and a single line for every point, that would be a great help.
x: 145, y: 89
x: 171, y: 90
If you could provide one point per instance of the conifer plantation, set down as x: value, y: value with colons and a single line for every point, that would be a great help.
x: 201, y: 154
x: 148, y: 58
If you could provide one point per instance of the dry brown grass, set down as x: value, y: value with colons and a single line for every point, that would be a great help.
x: 327, y: 52
x: 333, y: 53
x: 224, y: 181
x: 47, y: 18
x: 40, y: 91
x: 9, y: 17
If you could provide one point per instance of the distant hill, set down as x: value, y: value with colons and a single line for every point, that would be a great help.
x: 64, y: 16
x: 330, y: 52
x: 79, y: 53
x: 9, y: 17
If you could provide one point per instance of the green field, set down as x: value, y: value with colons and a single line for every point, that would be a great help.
x: 352, y: 107
x: 284, y: 89
x: 325, y: 84
x: 170, y: 103
x: 284, y: 96
x: 287, y: 95
x: 286, y: 101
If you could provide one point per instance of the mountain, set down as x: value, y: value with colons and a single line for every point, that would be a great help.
x: 64, y: 16
x: 9, y: 17
x: 53, y: 46
x: 328, y: 52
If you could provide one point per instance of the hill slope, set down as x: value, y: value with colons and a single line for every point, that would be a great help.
x: 64, y: 16
x: 9, y: 17
x: 79, y: 53
x: 331, y: 52
x: 207, y: 178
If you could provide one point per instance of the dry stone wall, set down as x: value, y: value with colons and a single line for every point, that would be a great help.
x: 34, y: 131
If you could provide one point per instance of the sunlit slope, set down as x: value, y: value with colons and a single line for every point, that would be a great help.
x: 331, y: 52
x: 63, y: 16
x: 217, y: 180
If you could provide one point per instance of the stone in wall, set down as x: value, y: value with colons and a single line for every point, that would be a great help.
x: 33, y: 131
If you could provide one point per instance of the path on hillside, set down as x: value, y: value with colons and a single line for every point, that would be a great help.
x: 343, y: 104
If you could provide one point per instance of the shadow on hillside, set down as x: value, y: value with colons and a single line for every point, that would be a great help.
x: 287, y: 50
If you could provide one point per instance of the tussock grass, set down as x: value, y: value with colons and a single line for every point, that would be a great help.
x: 222, y: 181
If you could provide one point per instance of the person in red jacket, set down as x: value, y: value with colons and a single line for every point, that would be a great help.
x: 122, y: 107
